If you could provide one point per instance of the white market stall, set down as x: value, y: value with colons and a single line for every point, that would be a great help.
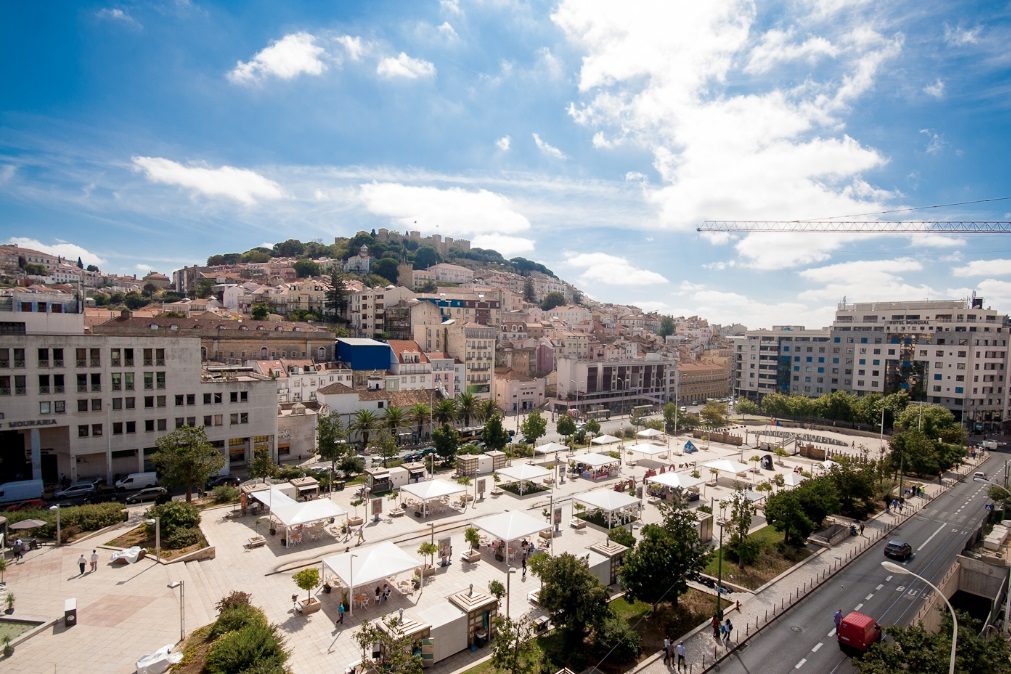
x: 523, y: 473
x: 593, y: 466
x: 432, y: 490
x: 649, y: 433
x: 673, y: 484
x: 550, y: 448
x: 510, y: 526
x: 379, y: 563
x: 650, y: 451
x: 793, y: 479
x: 605, y: 440
x: 614, y: 505
x: 728, y: 466
x: 298, y: 518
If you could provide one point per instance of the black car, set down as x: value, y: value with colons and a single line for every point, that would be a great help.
x: 156, y: 494
x: 220, y: 480
x: 897, y: 549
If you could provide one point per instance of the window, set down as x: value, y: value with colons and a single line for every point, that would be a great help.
x: 82, y: 405
x: 95, y: 357
x: 82, y: 431
x: 45, y: 407
x: 234, y: 396
x: 117, y: 403
x: 131, y: 427
x: 43, y: 357
x: 60, y: 406
x: 148, y: 357
x: 82, y: 357
x: 117, y: 428
x: 5, y: 358
x: 19, y: 357
x: 96, y: 382
x: 191, y: 399
x: 207, y: 398
x: 180, y: 422
x: 128, y: 357
x: 57, y: 383
x: 130, y: 403
x: 116, y: 357
x: 207, y: 420
x: 218, y: 419
x: 148, y: 402
x: 161, y: 401
x: 148, y: 381
x: 149, y: 425
x: 162, y: 424
x: 128, y: 381
x: 159, y: 357
x: 43, y: 384
x: 179, y: 399
x: 96, y: 404
x: 160, y: 380
x: 117, y: 381
x: 96, y: 430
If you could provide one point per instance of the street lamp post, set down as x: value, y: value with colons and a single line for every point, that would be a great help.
x: 56, y: 508
x: 509, y: 572
x: 157, y: 536
x: 895, y: 568
x: 719, y: 560
x: 181, y: 584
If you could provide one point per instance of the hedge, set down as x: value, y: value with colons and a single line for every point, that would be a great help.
x: 73, y: 520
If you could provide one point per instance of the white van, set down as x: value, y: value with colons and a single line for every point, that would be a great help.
x: 22, y: 490
x: 988, y: 444
x: 135, y: 481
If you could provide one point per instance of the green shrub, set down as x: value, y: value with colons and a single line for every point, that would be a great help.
x: 181, y: 538
x: 622, y: 536
x: 174, y: 515
x: 253, y: 645
x: 225, y: 493
x: 235, y: 618
x: 76, y: 518
x: 236, y: 598
x: 618, y: 639
x: 272, y: 666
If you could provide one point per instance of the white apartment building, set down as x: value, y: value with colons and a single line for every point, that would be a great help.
x: 617, y: 384
x: 471, y: 344
x: 786, y: 359
x: 95, y: 405
x: 297, y: 380
x: 366, y: 307
x: 411, y: 369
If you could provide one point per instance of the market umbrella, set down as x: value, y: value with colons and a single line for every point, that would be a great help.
x: 28, y: 524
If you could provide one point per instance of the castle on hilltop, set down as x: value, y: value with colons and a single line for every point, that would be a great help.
x: 436, y: 241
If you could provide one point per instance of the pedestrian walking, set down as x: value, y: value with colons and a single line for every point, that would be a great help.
x: 730, y: 629
x: 861, y: 528
x: 340, y: 613
x: 715, y: 624
x: 682, y: 654
x: 524, y: 568
x: 294, y: 603
x: 94, y: 561
x: 81, y: 563
x: 723, y: 634
x: 837, y: 618
x: 666, y: 650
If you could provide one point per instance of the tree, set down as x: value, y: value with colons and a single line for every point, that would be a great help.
x: 485, y: 409
x: 425, y: 257
x: 80, y: 263
x: 688, y: 421
x: 854, y: 483
x: 534, y: 426
x: 515, y: 649
x: 552, y: 300
x: 528, y: 290
x: 263, y: 464
x: 393, y: 420
x: 818, y: 498
x: 466, y: 403
x: 746, y: 406
x: 572, y: 596
x: 445, y: 411
x: 396, y: 651
x: 741, y: 513
x: 307, y: 579
x: 784, y: 512
x: 186, y: 459
x: 336, y: 297
x: 387, y: 268
x: 420, y: 413
x: 666, y: 326
x: 364, y: 423
x: 914, y: 452
x: 714, y: 414
x: 565, y: 426
x: 388, y: 448
x: 933, y: 421
x: 494, y: 435
x: 428, y: 549
x: 446, y: 440
x: 306, y: 268
x: 92, y: 268
x: 260, y: 312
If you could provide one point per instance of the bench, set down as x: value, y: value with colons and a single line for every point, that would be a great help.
x: 70, y: 612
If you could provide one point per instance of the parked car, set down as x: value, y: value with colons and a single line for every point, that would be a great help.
x: 80, y: 489
x: 135, y: 481
x: 219, y: 480
x: 103, y: 496
x: 897, y: 549
x: 157, y: 494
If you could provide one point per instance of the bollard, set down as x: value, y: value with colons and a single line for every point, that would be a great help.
x: 766, y: 615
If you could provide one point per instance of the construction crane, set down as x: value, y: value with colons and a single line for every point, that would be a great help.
x: 859, y: 226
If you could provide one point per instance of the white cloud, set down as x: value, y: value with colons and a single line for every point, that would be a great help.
x: 69, y: 251
x: 118, y: 15
x: 957, y: 36
x: 293, y: 55
x: 145, y: 268
x: 546, y: 148
x: 242, y: 185
x: 508, y: 246
x: 7, y: 172
x: 353, y: 45
x: 999, y: 267
x: 727, y: 144
x: 451, y: 7
x: 451, y: 212
x: 995, y: 293
x: 935, y: 142
x: 726, y: 307
x: 447, y: 32
x: 781, y: 250
x: 777, y: 47
x: 935, y: 241
x: 936, y: 89
x: 612, y: 270
x: 504, y: 143
x: 406, y: 67
x: 866, y: 280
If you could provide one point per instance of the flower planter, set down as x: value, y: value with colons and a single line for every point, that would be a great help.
x: 355, y: 521
x: 310, y: 605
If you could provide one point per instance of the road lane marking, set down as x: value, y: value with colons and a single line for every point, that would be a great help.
x: 831, y: 634
x: 858, y: 606
x: 800, y: 664
x: 816, y: 647
x: 888, y: 579
x: 868, y: 597
x: 929, y: 538
x: 880, y: 585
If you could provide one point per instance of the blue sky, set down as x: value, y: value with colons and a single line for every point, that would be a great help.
x: 591, y: 136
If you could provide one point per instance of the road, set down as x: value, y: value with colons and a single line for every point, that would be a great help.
x: 803, y: 640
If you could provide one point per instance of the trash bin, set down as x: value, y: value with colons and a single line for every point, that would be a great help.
x: 70, y: 612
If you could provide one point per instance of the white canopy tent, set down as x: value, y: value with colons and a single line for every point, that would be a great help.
x: 608, y: 501
x: 523, y: 472
x: 431, y: 490
x: 290, y: 512
x: 370, y: 564
x: 675, y: 480
x: 605, y: 440
x: 727, y: 466
x: 551, y: 448
x: 793, y: 479
x: 648, y: 450
x: 649, y: 433
x: 510, y: 526
x: 594, y: 459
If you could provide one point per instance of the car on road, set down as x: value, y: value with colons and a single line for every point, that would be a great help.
x: 897, y: 549
x: 858, y: 632
x: 222, y: 480
x: 157, y: 494
x: 77, y: 490
x: 419, y: 455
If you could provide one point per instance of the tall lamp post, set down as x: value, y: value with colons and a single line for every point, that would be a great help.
x: 157, y: 536
x: 1007, y: 592
x: 719, y: 560
x: 895, y: 568
x: 56, y: 509
x: 182, y: 607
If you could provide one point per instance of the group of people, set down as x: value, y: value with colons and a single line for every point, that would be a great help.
x: 722, y: 630
x: 82, y: 562
x: 383, y: 592
x: 896, y: 504
x: 672, y: 651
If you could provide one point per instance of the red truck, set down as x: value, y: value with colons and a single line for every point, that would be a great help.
x: 857, y: 632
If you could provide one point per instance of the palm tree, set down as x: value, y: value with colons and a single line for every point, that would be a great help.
x: 364, y: 422
x: 466, y: 406
x: 393, y: 420
x: 420, y: 413
x: 445, y: 411
x: 486, y: 409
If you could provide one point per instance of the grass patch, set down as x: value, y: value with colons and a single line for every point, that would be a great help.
x: 138, y: 536
x: 12, y: 629
x: 770, y: 563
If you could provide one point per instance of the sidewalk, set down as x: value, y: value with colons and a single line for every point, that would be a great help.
x: 778, y: 595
